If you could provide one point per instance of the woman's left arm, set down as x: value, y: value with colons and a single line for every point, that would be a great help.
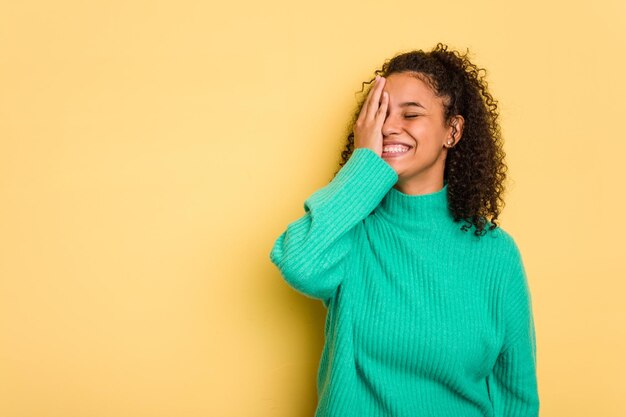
x: 513, y: 381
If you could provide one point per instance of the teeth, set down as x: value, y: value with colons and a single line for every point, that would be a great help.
x: 395, y: 148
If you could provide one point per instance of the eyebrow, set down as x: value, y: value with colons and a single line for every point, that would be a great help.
x: 412, y: 103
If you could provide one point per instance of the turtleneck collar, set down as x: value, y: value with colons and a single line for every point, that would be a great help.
x: 415, y: 211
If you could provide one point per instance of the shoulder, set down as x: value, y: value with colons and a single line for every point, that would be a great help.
x: 502, y: 243
x: 512, y: 267
x: 507, y: 241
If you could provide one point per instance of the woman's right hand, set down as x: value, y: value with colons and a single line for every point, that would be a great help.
x: 368, y: 127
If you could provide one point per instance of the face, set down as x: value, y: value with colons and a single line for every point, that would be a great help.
x: 415, y: 118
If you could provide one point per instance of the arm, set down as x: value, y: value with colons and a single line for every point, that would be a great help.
x: 310, y: 252
x: 513, y: 381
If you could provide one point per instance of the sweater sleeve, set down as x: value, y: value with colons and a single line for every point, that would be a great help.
x: 513, y: 381
x: 309, y: 253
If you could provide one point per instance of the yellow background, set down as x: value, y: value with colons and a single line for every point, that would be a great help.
x: 151, y: 152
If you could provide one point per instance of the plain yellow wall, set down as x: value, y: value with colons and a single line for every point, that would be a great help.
x: 151, y: 152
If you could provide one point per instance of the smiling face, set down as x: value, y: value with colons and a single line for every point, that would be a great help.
x: 415, y: 117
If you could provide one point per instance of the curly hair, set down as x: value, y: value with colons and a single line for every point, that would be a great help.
x: 474, y: 169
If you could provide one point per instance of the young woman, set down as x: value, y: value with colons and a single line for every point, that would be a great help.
x: 429, y: 309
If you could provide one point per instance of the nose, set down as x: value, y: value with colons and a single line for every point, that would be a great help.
x: 391, y: 125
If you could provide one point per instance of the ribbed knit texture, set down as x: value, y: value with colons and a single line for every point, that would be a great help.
x: 423, y: 318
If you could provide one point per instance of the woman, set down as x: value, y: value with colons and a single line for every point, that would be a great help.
x: 426, y: 316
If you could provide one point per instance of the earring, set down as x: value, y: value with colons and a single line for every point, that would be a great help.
x: 451, y: 140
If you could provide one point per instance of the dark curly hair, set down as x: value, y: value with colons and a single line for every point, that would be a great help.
x: 474, y: 168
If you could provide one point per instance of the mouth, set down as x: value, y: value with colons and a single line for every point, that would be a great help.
x: 394, y: 151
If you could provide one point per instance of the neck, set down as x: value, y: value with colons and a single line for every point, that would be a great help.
x: 419, y: 187
x: 415, y: 212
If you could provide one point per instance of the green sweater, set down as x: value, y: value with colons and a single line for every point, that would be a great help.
x: 423, y: 319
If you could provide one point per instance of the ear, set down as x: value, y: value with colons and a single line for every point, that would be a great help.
x: 456, y: 128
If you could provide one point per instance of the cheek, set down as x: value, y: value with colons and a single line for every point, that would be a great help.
x: 427, y: 151
x: 423, y: 131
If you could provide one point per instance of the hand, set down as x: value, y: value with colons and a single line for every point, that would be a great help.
x: 368, y: 127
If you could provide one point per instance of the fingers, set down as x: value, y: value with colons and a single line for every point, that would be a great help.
x: 374, y: 102
x: 381, y: 114
x: 368, y: 100
x: 370, y: 106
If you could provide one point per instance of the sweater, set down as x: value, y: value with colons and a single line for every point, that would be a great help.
x: 423, y: 318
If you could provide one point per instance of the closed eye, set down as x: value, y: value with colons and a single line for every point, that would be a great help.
x: 411, y: 116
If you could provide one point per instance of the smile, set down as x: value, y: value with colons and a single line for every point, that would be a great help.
x: 395, y: 150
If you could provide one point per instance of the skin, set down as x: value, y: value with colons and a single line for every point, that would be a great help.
x: 384, y: 119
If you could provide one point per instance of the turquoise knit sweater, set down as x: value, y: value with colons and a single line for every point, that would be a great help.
x: 423, y: 319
